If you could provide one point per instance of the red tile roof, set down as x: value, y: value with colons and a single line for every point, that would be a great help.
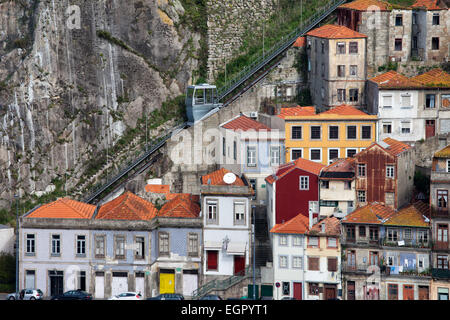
x: 300, y: 42
x: 393, y: 79
x: 344, y: 110
x: 297, y: 225
x: 157, y: 188
x: 297, y: 111
x: 443, y: 153
x: 300, y: 163
x: 429, y: 4
x: 128, y: 206
x: 434, y: 78
x: 332, y: 227
x: 365, y: 5
x: 413, y: 215
x: 373, y: 213
x: 181, y: 206
x: 64, y: 208
x: 396, y: 147
x: 333, y: 31
x: 216, y: 178
x: 245, y: 123
x: 339, y: 112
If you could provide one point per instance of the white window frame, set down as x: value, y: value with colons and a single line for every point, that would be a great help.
x: 297, y: 262
x: 448, y: 165
x: 213, y: 203
x: 402, y: 98
x: 405, y: 127
x: 297, y: 241
x: 55, y: 245
x: 283, y: 240
x: 383, y: 101
x: 281, y: 259
x: 303, y: 183
x: 30, y: 243
x: 277, y: 151
x: 292, y: 131
x: 81, y: 245
x: 251, y: 156
x: 338, y: 153
x: 296, y: 149
x: 390, y: 171
x: 359, y: 197
x: 310, y: 152
x: 347, y: 149
x: 386, y: 124
x: 239, y: 217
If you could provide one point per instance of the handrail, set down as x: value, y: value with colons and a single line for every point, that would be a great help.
x: 278, y: 48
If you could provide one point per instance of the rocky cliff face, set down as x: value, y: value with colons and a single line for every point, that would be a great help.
x: 74, y: 75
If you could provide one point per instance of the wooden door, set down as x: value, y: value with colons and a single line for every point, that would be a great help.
x: 423, y: 293
x: 408, y: 292
x: 239, y: 264
x: 330, y: 293
x: 350, y: 290
x: 298, y: 291
x: 429, y: 128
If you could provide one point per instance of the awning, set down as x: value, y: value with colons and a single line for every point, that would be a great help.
x: 215, y: 245
x: 236, y: 248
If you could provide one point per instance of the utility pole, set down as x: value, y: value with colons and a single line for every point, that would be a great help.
x: 254, y: 252
x: 17, y: 242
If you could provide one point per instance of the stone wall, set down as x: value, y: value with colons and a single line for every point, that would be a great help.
x: 227, y: 23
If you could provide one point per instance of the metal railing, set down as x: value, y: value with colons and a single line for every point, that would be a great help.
x: 285, y: 43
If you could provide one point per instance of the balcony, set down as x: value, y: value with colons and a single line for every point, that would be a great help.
x: 441, y: 246
x: 440, y: 273
x: 440, y: 212
x: 361, y: 242
x: 385, y: 242
x: 395, y: 270
x: 359, y: 268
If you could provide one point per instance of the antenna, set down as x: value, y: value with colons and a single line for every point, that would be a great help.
x: 229, y: 178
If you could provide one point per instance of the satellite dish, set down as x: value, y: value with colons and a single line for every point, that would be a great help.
x: 229, y: 178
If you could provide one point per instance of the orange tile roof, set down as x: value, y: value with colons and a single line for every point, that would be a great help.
x: 364, y: 5
x: 333, y: 31
x: 443, y: 153
x: 411, y: 216
x: 344, y: 110
x: 181, y: 206
x: 157, y: 188
x: 297, y: 225
x: 64, y: 208
x: 300, y: 42
x: 332, y: 227
x: 393, y: 79
x: 434, y: 78
x: 373, y: 213
x: 128, y: 206
x: 297, y: 111
x: 429, y: 4
x: 245, y: 123
x: 396, y: 147
x: 300, y: 163
x: 217, y: 178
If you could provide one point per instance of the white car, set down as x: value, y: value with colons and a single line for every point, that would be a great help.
x: 26, y: 294
x: 128, y: 296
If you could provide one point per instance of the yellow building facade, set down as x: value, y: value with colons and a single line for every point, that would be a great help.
x: 336, y: 133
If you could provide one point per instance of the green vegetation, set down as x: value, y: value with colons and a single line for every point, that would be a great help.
x: 7, y: 272
x: 401, y: 3
x: 388, y: 66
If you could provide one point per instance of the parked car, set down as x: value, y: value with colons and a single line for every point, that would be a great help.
x: 211, y: 297
x: 288, y: 298
x: 73, y: 295
x: 265, y: 298
x: 26, y: 294
x: 168, y: 296
x: 127, y: 296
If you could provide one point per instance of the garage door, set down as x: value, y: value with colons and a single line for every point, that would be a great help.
x: 140, y: 284
x: 167, y: 281
x: 119, y: 283
x: 99, y: 285
x: 190, y: 282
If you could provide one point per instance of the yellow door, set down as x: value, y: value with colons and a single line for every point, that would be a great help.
x: 167, y: 283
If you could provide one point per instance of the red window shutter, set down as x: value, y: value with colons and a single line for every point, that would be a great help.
x: 332, y: 264
x: 212, y: 260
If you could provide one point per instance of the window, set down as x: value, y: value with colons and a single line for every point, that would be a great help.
x: 445, y: 99
x: 332, y: 264
x: 414, y: 18
x: 414, y: 42
x: 361, y: 196
x: 283, y: 261
x: 332, y: 242
x: 224, y: 147
x: 362, y: 231
x: 398, y: 20
x: 296, y: 132
x: 353, y: 47
x: 387, y: 101
x: 315, y: 154
x: 340, y: 48
x: 392, y: 291
x: 351, y: 259
x: 297, y: 241
x: 333, y: 132
x: 119, y: 247
x: 81, y: 245
x: 283, y: 240
x: 406, y: 100
x: 398, y: 44
x: 31, y: 244
x: 430, y: 100
x: 353, y: 93
x: 234, y: 150
x: 392, y: 234
x: 211, y: 260
x: 163, y: 244
x: 140, y: 248
x: 435, y: 19
x: 354, y: 70
x: 313, y: 264
x: 435, y: 43
x: 348, y: 186
x: 350, y: 233
x: 274, y: 156
x: 373, y: 233
x: 56, y: 244
x: 366, y: 132
x: 361, y: 170
x: 286, y: 286
x: 442, y: 293
x: 442, y: 262
x: 323, y: 47
x: 239, y: 213
x: 351, y: 132
x: 387, y: 127
x: 304, y: 183
x: 82, y: 280
x: 448, y: 166
x: 341, y: 95
x: 313, y: 242
x: 323, y: 70
x: 406, y: 127
x: 296, y: 153
x: 333, y: 154
x: 351, y: 152
x: 313, y: 289
x: 251, y: 156
x: 341, y: 70
x: 315, y: 132
x: 99, y: 246
x: 422, y: 236
x: 297, y: 262
x: 324, y: 184
x: 390, y: 172
x: 442, y: 199
x: 211, y: 206
x: 442, y: 233
x: 408, y: 234
x: 373, y: 258
x: 193, y: 245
